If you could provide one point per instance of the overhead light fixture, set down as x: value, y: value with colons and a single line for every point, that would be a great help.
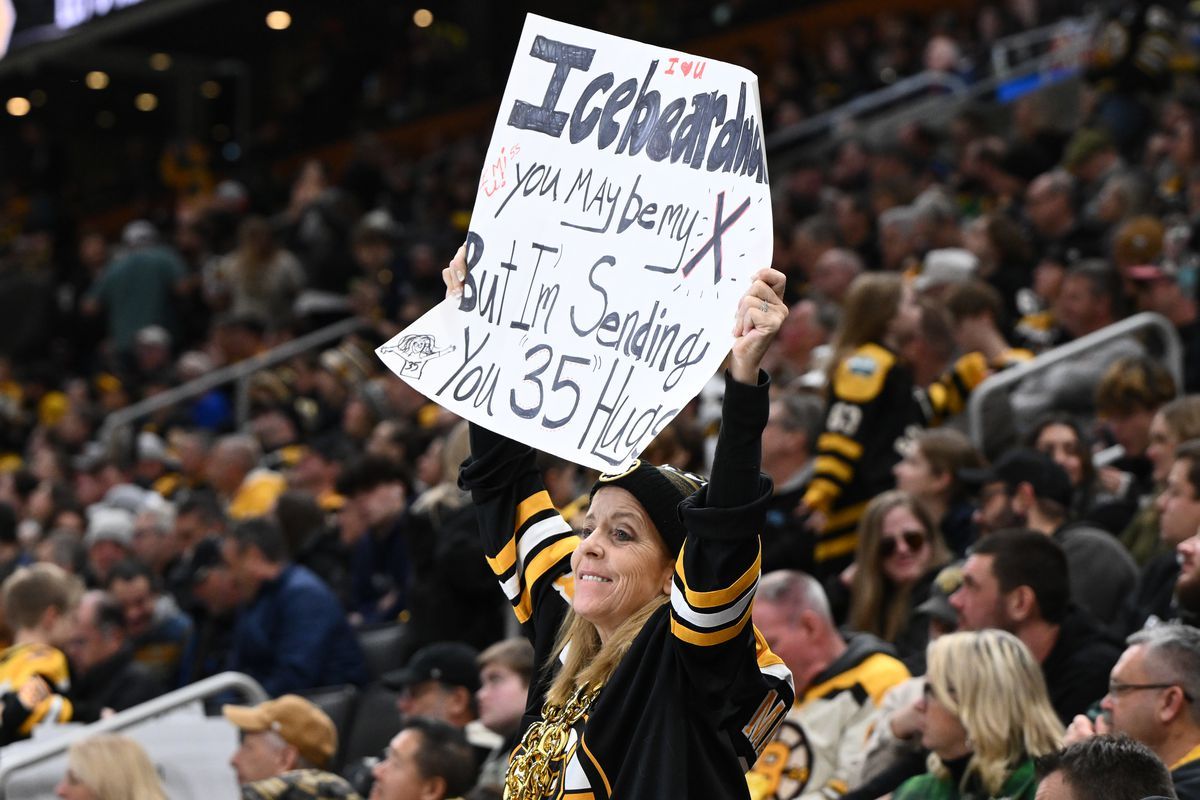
x: 96, y: 80
x: 18, y: 106
x: 160, y: 62
x: 210, y: 90
x: 422, y: 17
x: 145, y: 102
x: 279, y: 20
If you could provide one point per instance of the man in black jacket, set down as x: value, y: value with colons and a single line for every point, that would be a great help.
x: 1018, y: 581
x: 104, y: 673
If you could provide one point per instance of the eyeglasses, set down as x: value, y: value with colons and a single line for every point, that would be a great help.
x: 913, y: 540
x: 1116, y: 688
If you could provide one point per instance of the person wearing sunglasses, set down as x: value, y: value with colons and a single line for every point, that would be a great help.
x: 987, y: 717
x: 1152, y: 694
x: 900, y: 550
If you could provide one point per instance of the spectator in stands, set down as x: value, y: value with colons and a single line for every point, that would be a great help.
x: 854, y: 218
x: 977, y: 316
x: 929, y: 350
x: 109, y: 766
x: 377, y: 491
x: 1027, y: 489
x: 1018, y: 581
x: 1177, y: 421
x: 1128, y: 396
x: 154, y: 542
x: 38, y: 602
x: 871, y: 407
x: 440, y: 682
x: 803, y: 340
x: 1061, y: 437
x: 987, y: 716
x: 291, y: 635
x: 899, y: 249
x: 244, y: 489
x: 789, y: 442
x: 1185, y: 602
x: 1112, y: 767
x: 832, y: 273
x: 138, y: 289
x: 505, y: 672
x: 109, y: 540
x: 900, y: 551
x: 285, y: 742
x: 1152, y: 698
x: 1059, y: 234
x: 211, y: 584
x: 158, y: 631
x: 105, y: 674
x: 318, y: 469
x: 839, y: 683
x: 452, y: 586
x: 259, y: 277
x: 1179, y: 519
x: 1088, y: 302
x: 929, y: 472
x: 1157, y: 289
x: 429, y: 759
x: 1005, y: 261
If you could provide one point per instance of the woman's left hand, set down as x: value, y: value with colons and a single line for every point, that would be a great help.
x: 760, y: 314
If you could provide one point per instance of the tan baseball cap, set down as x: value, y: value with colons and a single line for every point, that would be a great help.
x: 297, y: 721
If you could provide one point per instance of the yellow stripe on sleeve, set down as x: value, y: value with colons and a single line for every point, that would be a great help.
x: 504, y: 560
x: 711, y: 638
x: 842, y: 545
x: 532, y: 505
x: 828, y: 465
x: 538, y: 567
x: 846, y: 516
x: 842, y: 445
x: 718, y: 597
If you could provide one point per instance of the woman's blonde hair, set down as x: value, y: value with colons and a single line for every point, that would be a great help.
x: 114, y: 767
x: 872, y: 302
x: 876, y: 606
x: 991, y: 682
x: 587, y: 660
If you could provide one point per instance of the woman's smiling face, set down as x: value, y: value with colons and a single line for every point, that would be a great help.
x: 621, y: 563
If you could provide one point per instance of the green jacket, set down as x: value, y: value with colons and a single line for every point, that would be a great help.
x: 1021, y: 785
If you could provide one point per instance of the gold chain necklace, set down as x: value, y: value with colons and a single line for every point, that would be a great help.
x: 536, y: 760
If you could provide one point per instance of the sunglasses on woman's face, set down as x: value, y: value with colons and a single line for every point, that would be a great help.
x: 913, y: 540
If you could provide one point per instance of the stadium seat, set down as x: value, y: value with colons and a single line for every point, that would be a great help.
x: 376, y: 721
x: 339, y: 703
x: 381, y: 646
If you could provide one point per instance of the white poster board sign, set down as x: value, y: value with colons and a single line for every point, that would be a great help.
x: 623, y: 206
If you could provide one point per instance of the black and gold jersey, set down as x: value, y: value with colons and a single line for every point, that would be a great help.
x: 873, y: 410
x: 699, y: 693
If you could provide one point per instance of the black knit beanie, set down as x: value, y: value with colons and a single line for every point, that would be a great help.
x: 660, y: 490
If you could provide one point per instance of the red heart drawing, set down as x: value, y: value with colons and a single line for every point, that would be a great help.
x: 686, y: 66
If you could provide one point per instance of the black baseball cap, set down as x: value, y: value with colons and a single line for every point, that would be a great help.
x: 451, y: 663
x: 1048, y: 479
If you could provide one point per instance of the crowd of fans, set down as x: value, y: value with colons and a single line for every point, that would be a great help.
x: 952, y: 610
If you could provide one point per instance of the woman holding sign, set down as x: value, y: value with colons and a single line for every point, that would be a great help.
x: 656, y: 683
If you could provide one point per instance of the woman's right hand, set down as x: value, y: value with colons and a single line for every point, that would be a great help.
x: 455, y: 275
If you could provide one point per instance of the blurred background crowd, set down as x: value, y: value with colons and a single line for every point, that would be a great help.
x: 208, y: 223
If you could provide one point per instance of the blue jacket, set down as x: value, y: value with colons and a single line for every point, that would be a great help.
x: 294, y: 636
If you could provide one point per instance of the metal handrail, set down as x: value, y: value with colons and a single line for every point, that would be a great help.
x: 923, y: 81
x: 1047, y: 33
x: 954, y: 85
x: 239, y: 372
x: 1002, y: 381
x: 44, y: 751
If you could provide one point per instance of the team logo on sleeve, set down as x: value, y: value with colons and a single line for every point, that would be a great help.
x: 785, y: 766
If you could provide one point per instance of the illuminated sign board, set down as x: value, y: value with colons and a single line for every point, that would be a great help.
x: 28, y: 22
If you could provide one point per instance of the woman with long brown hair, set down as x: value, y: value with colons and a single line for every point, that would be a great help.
x: 899, y: 553
x: 872, y: 407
